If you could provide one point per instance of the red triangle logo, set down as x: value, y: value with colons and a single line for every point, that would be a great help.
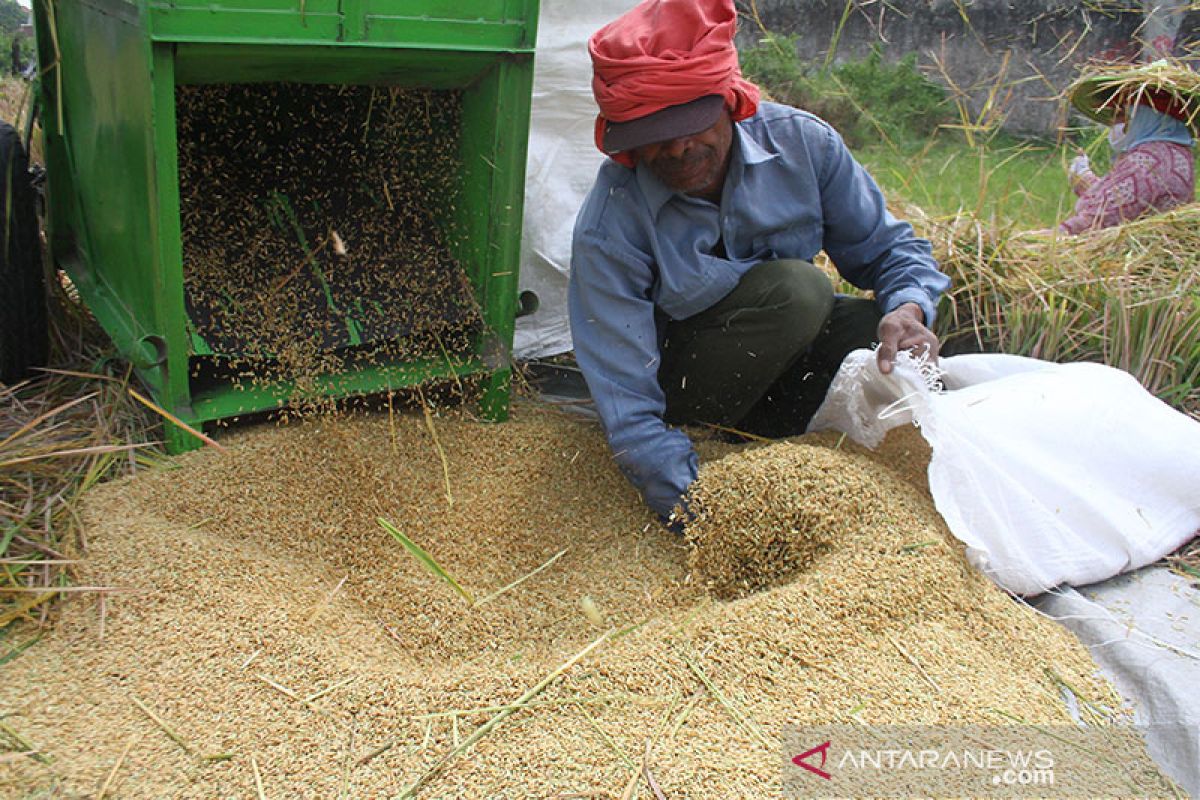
x: 823, y: 749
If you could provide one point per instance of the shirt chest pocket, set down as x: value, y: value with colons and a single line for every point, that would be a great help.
x: 684, y: 292
x: 802, y: 240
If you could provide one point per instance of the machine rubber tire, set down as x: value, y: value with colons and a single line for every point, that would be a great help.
x: 24, y: 338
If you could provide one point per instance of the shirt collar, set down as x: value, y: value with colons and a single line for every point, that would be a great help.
x: 655, y: 191
x: 746, y: 152
x: 751, y: 151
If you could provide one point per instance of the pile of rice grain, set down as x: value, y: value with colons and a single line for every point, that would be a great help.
x: 288, y: 642
x: 770, y: 513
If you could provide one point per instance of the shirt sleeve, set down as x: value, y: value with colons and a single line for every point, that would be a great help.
x: 871, y: 248
x: 1098, y: 208
x: 616, y: 344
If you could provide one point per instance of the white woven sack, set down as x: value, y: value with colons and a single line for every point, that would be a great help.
x: 1049, y: 473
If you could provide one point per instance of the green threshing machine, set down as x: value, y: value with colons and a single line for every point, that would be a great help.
x: 131, y: 92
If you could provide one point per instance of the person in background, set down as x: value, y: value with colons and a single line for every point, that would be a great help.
x: 1152, y: 171
x: 693, y: 297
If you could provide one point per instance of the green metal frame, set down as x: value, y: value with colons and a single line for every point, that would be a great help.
x: 107, y: 96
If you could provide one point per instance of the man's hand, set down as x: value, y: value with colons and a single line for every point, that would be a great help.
x: 903, y: 328
x: 676, y: 522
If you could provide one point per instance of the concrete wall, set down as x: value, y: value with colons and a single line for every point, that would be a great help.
x: 1007, y: 59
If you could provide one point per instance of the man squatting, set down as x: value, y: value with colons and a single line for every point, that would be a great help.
x: 692, y: 295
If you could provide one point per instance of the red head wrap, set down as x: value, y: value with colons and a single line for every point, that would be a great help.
x: 664, y: 53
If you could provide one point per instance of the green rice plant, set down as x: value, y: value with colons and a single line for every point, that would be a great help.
x: 1139, y: 336
x: 426, y: 560
x: 431, y: 564
x: 17, y: 649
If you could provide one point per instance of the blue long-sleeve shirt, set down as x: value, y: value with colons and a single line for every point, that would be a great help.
x: 791, y: 190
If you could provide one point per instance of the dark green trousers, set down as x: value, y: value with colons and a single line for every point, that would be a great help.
x: 761, y: 359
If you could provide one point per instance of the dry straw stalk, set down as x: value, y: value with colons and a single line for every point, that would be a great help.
x: 1127, y: 296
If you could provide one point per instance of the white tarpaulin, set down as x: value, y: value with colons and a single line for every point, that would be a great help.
x: 562, y: 164
x: 1141, y: 629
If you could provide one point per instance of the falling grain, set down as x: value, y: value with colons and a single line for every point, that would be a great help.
x: 316, y: 235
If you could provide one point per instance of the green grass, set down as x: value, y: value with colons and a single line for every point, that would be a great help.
x: 1006, y: 182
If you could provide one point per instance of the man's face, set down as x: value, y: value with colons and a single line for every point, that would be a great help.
x: 693, y: 164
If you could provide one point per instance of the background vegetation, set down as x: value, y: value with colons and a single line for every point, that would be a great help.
x: 12, y: 17
x: 919, y: 143
x: 1128, y: 297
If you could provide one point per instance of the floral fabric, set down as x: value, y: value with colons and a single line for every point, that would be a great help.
x: 1148, y: 178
